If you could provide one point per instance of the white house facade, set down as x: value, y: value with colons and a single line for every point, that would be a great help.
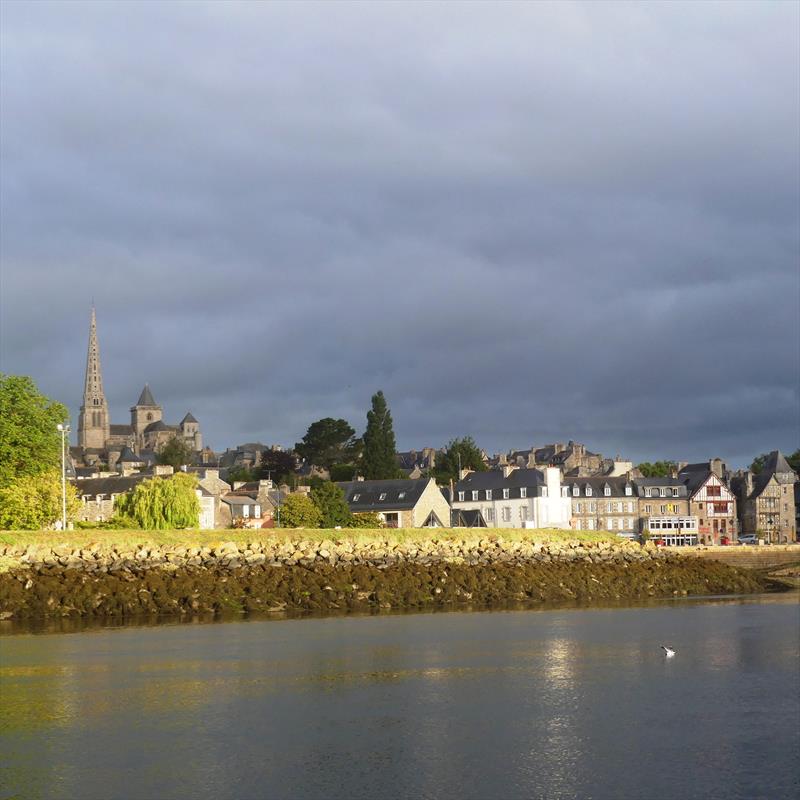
x: 515, y: 497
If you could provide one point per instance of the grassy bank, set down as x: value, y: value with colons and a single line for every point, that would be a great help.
x: 127, y: 538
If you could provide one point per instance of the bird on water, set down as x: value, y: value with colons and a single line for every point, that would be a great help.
x: 668, y: 651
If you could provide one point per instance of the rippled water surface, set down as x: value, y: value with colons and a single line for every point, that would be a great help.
x: 565, y: 703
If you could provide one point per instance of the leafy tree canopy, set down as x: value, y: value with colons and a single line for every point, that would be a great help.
x: 329, y: 499
x: 162, y: 503
x: 458, y: 451
x: 343, y: 472
x: 30, y: 443
x: 176, y: 452
x: 300, y: 511
x: 365, y: 519
x: 33, y: 502
x: 278, y: 466
x: 658, y: 469
x: 243, y: 474
x: 379, y: 458
x: 327, y: 442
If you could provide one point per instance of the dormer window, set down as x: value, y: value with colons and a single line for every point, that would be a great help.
x: 576, y: 491
x: 647, y: 493
x: 505, y: 494
x: 675, y: 491
x: 382, y: 496
x: 588, y: 491
x: 401, y: 495
x: 461, y: 496
x: 628, y: 491
x: 523, y: 492
x: 663, y: 492
x: 488, y: 494
x: 564, y: 491
x: 355, y: 497
x: 475, y: 495
x: 607, y: 491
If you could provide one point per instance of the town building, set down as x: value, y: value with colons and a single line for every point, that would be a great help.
x: 711, y: 501
x: 101, y: 442
x: 766, y: 500
x: 512, y: 497
x: 402, y: 503
x: 664, y: 511
x: 608, y: 504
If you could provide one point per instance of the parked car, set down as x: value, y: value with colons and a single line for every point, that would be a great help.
x: 748, y: 538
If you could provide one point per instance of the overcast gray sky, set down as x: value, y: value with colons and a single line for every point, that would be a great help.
x: 524, y: 222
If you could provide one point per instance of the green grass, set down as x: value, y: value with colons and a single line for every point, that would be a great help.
x: 129, y: 538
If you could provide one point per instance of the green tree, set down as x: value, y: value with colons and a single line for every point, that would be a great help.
x: 759, y: 461
x: 379, y: 459
x: 30, y: 443
x: 659, y: 469
x: 33, y: 502
x: 176, y: 452
x: 329, y: 499
x: 463, y: 452
x: 327, y: 442
x: 794, y: 461
x: 241, y: 474
x: 162, y: 503
x: 300, y: 511
x: 343, y: 472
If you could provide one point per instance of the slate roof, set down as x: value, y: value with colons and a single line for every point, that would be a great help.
x: 399, y: 495
x: 146, y: 397
x: 640, y: 484
x: 598, y: 486
x: 528, y: 478
x: 121, y: 430
x: 463, y: 518
x: 189, y: 418
x: 776, y: 464
x: 159, y: 425
x: 127, y: 456
x: 107, y: 486
x: 694, y: 479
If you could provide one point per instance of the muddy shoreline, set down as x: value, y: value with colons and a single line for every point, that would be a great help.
x: 48, y: 591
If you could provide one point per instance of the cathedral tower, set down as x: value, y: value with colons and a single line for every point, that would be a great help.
x: 94, y: 424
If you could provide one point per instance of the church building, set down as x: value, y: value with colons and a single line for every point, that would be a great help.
x: 100, y: 442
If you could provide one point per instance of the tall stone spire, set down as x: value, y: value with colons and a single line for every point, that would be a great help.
x: 93, y: 421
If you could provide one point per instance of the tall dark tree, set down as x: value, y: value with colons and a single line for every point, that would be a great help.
x: 459, y: 453
x: 379, y: 459
x: 327, y: 442
x: 278, y: 465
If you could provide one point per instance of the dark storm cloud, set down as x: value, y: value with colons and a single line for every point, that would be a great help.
x: 525, y: 222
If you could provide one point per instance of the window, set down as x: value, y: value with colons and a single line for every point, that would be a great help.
x: 663, y: 491
x: 523, y: 513
x: 489, y: 515
x: 579, y: 508
x: 488, y: 494
x: 460, y: 496
x: 475, y: 494
x: 592, y: 507
x: 575, y: 491
x: 607, y: 491
x: 505, y: 494
x: 401, y: 495
x: 355, y: 497
x: 588, y: 491
x: 647, y: 493
x: 506, y: 513
x: 591, y: 524
x: 675, y: 491
x: 544, y: 492
x: 565, y: 491
x: 713, y: 491
x: 628, y: 490
x: 382, y: 496
x: 663, y: 509
x: 523, y: 492
x: 648, y: 509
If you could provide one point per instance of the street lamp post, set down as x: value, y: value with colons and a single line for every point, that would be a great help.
x: 64, y: 431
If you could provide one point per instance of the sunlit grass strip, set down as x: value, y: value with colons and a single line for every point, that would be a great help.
x: 209, y: 538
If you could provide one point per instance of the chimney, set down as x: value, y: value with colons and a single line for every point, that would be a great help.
x: 211, y: 473
x: 531, y: 459
x: 502, y: 459
x: 508, y: 469
x: 558, y: 447
x: 717, y: 466
x: 265, y: 484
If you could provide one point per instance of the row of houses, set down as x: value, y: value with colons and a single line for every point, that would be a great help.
x: 702, y: 503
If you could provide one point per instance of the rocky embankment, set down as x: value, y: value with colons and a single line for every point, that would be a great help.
x: 297, y: 575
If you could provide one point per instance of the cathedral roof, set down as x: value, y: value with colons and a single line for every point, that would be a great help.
x: 188, y: 418
x: 146, y: 397
x: 158, y: 425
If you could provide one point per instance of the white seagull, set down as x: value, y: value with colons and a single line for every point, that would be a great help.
x: 668, y: 651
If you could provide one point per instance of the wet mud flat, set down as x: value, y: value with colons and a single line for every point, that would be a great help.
x: 56, y: 591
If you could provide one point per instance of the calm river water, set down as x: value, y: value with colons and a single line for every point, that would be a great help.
x: 518, y: 704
